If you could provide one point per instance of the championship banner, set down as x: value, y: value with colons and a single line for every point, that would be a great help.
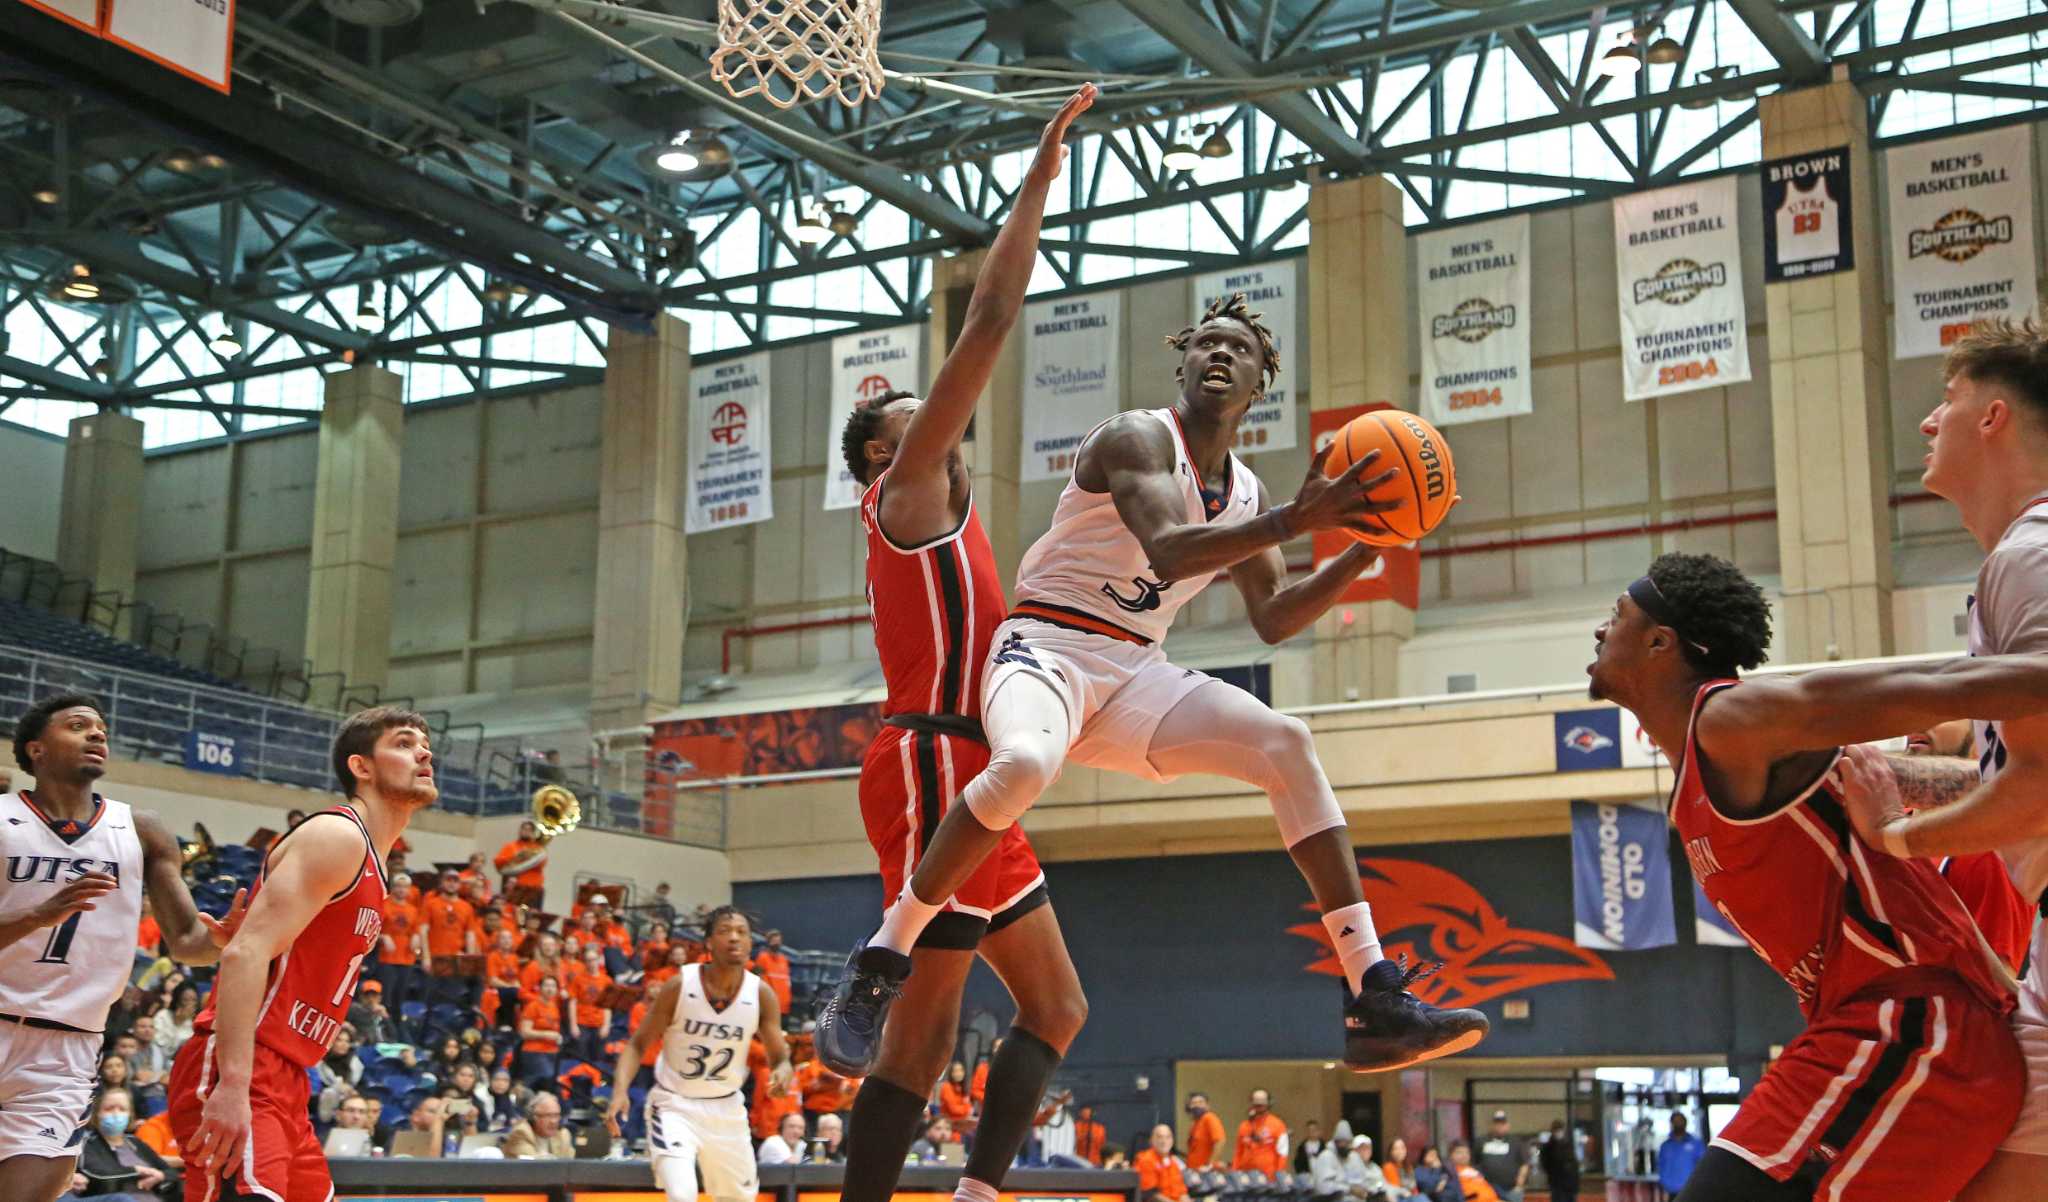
x: 1271, y: 291
x: 83, y: 13
x: 195, y: 39
x: 1807, y: 227
x: 1397, y: 575
x: 1621, y: 878
x: 865, y: 367
x: 729, y: 447
x: 1962, y: 216
x: 1474, y: 290
x: 1710, y: 927
x: 1679, y: 263
x: 1073, y: 380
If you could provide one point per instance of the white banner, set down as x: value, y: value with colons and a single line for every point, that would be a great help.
x: 192, y: 37
x: 864, y: 367
x: 1679, y: 259
x: 729, y: 447
x: 1962, y: 215
x: 83, y: 13
x: 1474, y: 290
x: 1073, y: 378
x: 1272, y: 290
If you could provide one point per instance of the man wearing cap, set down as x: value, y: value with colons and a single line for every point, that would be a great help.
x: 1345, y: 1170
x: 1503, y: 1160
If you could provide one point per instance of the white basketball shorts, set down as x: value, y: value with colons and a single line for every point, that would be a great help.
x: 689, y: 1138
x: 46, y: 1085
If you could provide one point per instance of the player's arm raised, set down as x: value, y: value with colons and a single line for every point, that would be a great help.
x: 639, y: 1047
x: 917, y: 474
x: 772, y: 1042
x: 1774, y: 716
x: 323, y: 857
x: 194, y: 938
x: 1999, y: 811
x: 1131, y: 457
x: 1279, y: 610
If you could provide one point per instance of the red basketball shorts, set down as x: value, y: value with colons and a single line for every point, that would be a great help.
x: 907, y: 783
x: 1894, y: 1100
x: 282, y: 1160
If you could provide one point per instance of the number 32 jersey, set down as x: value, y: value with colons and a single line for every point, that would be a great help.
x: 313, y: 983
x: 71, y: 973
x: 704, y: 1053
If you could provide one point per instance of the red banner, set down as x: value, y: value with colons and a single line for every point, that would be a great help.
x: 1397, y: 576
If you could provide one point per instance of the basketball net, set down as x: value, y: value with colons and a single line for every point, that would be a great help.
x: 791, y: 52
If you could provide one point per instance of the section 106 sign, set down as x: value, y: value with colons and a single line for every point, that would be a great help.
x: 205, y: 752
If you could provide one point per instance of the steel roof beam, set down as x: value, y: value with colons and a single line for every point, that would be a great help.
x: 1797, y: 53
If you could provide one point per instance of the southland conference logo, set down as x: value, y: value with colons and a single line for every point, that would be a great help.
x: 1679, y: 281
x: 1959, y: 235
x: 1473, y: 320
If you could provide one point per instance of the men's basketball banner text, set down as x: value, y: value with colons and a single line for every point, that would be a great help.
x: 1962, y: 220
x: 866, y: 367
x: 1473, y: 286
x: 729, y: 470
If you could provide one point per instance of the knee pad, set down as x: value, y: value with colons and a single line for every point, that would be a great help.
x: 1018, y: 773
x: 1303, y: 804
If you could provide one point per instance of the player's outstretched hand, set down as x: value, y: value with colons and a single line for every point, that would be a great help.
x: 223, y: 1125
x: 222, y: 929
x: 1052, y: 150
x: 614, y: 1111
x: 75, y: 897
x: 1340, y: 502
x: 1869, y: 792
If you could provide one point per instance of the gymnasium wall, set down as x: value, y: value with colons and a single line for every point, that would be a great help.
x: 498, y: 513
x: 31, y: 490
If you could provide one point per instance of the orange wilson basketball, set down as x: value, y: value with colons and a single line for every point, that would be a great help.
x: 1425, y: 482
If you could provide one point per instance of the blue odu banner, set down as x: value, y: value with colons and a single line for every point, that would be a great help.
x: 1621, y: 878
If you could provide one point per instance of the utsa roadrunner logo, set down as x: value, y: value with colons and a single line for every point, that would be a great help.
x: 1147, y: 599
x: 1434, y: 914
x: 1586, y: 739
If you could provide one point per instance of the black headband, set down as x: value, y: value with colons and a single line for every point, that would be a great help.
x: 1650, y: 599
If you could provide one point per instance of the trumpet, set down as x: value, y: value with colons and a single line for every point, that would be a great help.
x: 555, y: 811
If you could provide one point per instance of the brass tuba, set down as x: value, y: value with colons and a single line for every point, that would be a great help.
x: 555, y: 811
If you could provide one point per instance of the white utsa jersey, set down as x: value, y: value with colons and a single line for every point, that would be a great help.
x: 1088, y: 569
x: 2008, y: 616
x: 71, y: 973
x: 1809, y: 224
x: 704, y: 1051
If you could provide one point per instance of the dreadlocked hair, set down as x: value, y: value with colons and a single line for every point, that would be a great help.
x: 1238, y: 309
x: 863, y: 423
x: 1719, y: 608
x: 720, y: 914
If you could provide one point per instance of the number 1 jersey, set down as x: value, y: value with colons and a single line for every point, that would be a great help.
x: 71, y: 973
x: 704, y: 1051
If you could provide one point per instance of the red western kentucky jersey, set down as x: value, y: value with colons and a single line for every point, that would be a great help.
x: 935, y: 606
x: 312, y: 985
x: 1832, y: 916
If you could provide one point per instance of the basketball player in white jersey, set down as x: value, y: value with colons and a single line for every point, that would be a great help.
x: 1988, y: 454
x: 703, y: 1020
x: 70, y: 907
x: 1157, y: 507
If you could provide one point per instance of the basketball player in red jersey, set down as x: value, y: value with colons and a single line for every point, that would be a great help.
x: 238, y: 1091
x: 2004, y: 915
x: 936, y: 601
x: 1907, y: 1076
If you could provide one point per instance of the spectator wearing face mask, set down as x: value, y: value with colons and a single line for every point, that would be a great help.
x: 1205, y: 1132
x: 1261, y: 1138
x: 113, y: 1163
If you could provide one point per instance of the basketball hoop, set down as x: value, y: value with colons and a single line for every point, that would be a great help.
x: 794, y: 51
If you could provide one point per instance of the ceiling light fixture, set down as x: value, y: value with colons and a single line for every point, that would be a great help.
x: 212, y: 162
x: 811, y: 229
x: 497, y: 292
x: 1181, y: 157
x: 1620, y: 61
x: 842, y: 223
x: 46, y: 195
x: 81, y: 285
x: 1216, y: 145
x: 181, y: 160
x: 678, y: 156
x: 225, y: 344
x: 1664, y: 51
x: 370, y: 311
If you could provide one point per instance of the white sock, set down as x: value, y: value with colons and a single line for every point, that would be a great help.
x: 903, y: 923
x: 974, y: 1191
x: 1357, y: 943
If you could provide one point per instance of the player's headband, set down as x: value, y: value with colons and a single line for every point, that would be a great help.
x: 1650, y: 599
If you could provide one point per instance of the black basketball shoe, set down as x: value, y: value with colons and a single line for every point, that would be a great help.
x: 1387, y: 1027
x: 849, y: 1034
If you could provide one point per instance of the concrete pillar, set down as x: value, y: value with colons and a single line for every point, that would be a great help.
x: 1359, y: 296
x: 994, y: 449
x: 1829, y: 408
x: 355, y: 525
x: 102, y: 502
x: 636, y: 669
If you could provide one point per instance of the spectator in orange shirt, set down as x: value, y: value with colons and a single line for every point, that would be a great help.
x: 594, y: 1020
x: 399, y: 951
x: 476, y: 870
x: 1470, y: 1179
x: 448, y: 919
x: 824, y: 1091
x: 979, y: 1090
x: 677, y: 957
x: 1088, y: 1136
x: 773, y: 967
x: 955, y: 1106
x: 541, y: 1037
x: 616, y: 939
x: 149, y: 936
x: 654, y: 948
x: 521, y: 862
x: 501, y: 978
x: 1159, y: 1171
x: 156, y: 1132
x: 1261, y: 1138
x: 769, y: 1109
x: 547, y: 963
x: 1205, y: 1135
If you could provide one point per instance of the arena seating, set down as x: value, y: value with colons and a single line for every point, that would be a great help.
x: 31, y: 627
